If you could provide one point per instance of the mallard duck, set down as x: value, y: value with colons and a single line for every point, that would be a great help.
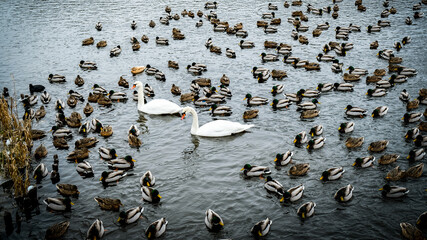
x: 56, y: 78
x: 104, y: 101
x: 317, y: 32
x: 130, y: 216
x: 364, y: 162
x: 109, y: 203
x: 325, y: 87
x: 381, y: 84
x: 307, y: 114
x: 302, y: 39
x: 407, y: 71
x: 374, y: 45
x: 306, y: 210
x: 422, y: 221
x: 261, y: 228
x: 57, y: 230
x: 215, y: 49
x: 293, y: 194
x: 410, y: 105
x: 249, y: 114
x: 377, y: 92
x: 61, y: 132
x: 86, y: 142
x: 421, y: 141
x: 316, y: 130
x: 150, y: 194
x: 378, y: 146
x: 60, y: 143
x: 332, y: 174
x: 395, y: 174
x: 388, y: 158
x: 115, y: 51
x: 416, y: 154
x: 283, y: 159
x: 354, y: 142
x: 411, y: 117
x: 125, y: 163
x: 411, y: 232
x: 316, y: 142
x: 355, y: 111
x: 380, y: 111
x: 187, y: 97
x: 280, y: 103
x: 67, y: 189
x: 96, y: 230
x: 117, y: 96
x: 273, y: 186
x: 343, y: 87
x: 344, y: 194
x: 269, y: 57
x: 84, y: 128
x: 147, y: 179
x: 225, y: 91
x: 111, y: 177
x: 86, y: 65
x: 40, y: 152
x: 254, y: 101
x: 45, y: 97
x: 325, y: 58
x: 101, y: 44
x: 162, y: 41
x: 137, y: 70
x: 311, y: 66
x: 156, y: 229
x: 72, y: 102
x: 308, y: 105
x: 133, y: 25
x: 300, y: 169
x: 78, y: 155
x: 40, y: 113
x: 134, y: 141
x: 173, y: 64
x: 106, y: 131
x: 351, y: 77
x: 300, y: 138
x: 374, y: 79
x: 393, y: 191
x: 93, y: 97
x: 58, y: 204
x: 415, y: 171
x: 220, y: 110
x: 412, y: 133
x: 255, y: 171
x: 84, y: 169
x: 40, y: 172
x: 346, y: 127
x: 107, y: 154
x: 59, y: 104
x: 87, y: 41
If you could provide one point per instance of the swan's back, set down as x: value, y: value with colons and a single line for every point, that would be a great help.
x: 221, y: 128
x: 160, y: 106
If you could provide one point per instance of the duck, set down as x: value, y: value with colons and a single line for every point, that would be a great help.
x: 421, y: 141
x: 411, y: 117
x: 56, y: 78
x: 72, y: 102
x: 156, y: 106
x: 107, y: 153
x: 346, y: 127
x: 355, y: 111
x: 66, y: 189
x: 316, y: 130
x: 306, y: 210
x: 316, y: 143
x: 117, y: 96
x: 109, y: 204
x: 40, y: 172
x: 393, y: 191
x: 115, y: 51
x: 87, y: 41
x: 395, y: 174
x: 255, y: 171
x: 293, y: 194
x: 269, y: 57
x: 268, y: 15
x: 130, y: 216
x: 215, y: 49
x: 326, y: 58
x: 378, y: 146
x: 150, y: 194
x: 88, y: 109
x: 344, y: 194
x: 422, y: 221
x: 380, y: 111
x: 407, y: 71
x: 125, y: 163
x: 416, y: 154
x: 96, y: 230
x: 94, y: 97
x: 273, y: 186
x: 332, y: 174
x: 300, y: 169
x: 377, y: 92
x: 40, y: 152
x: 302, y: 39
x: 307, y: 114
x: 78, y: 155
x: 37, y: 134
x: 374, y: 28
x: 111, y: 177
x: 410, y: 105
x: 300, y: 138
x: 156, y: 229
x: 410, y: 232
x: 45, y: 97
x: 40, y: 113
x: 415, y: 171
x: 262, y: 228
x: 280, y: 103
x: 354, y: 142
x: 285, y: 50
x: 254, y: 101
x: 148, y: 90
x: 243, y: 33
x: 58, y: 204
x: 58, y: 132
x: 220, y: 110
x: 374, y: 45
x: 283, y: 159
x: 388, y: 158
x: 86, y: 65
x: 60, y: 143
x: 147, y: 179
x: 308, y: 105
x: 57, y: 230
x: 225, y: 91
x: 162, y: 41
x: 84, y: 169
x: 364, y: 162
x: 134, y: 141
x: 423, y: 125
x: 86, y: 142
x: 351, y: 77
x: 250, y: 114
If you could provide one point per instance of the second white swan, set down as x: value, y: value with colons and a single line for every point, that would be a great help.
x: 217, y: 128
x: 156, y: 106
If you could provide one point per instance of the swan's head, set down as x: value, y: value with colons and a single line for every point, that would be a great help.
x: 185, y: 111
x: 137, y: 84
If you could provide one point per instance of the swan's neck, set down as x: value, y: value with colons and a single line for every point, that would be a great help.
x: 195, y: 125
x: 140, y: 98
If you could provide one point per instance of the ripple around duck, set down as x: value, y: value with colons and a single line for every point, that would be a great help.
x: 194, y: 174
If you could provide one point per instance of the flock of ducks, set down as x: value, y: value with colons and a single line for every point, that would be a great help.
x: 214, y: 99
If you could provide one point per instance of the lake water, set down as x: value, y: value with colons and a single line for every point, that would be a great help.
x: 194, y: 174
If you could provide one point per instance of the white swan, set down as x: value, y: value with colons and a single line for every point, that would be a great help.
x: 156, y: 106
x: 217, y: 128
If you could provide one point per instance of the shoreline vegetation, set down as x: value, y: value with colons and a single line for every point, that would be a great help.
x: 16, y: 143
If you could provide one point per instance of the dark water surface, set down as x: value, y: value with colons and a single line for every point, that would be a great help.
x: 194, y: 174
